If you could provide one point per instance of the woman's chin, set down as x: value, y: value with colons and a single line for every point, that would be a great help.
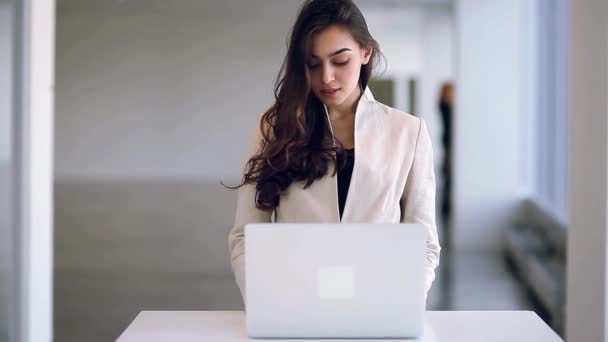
x: 331, y: 101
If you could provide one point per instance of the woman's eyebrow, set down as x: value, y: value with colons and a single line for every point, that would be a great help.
x: 334, y: 53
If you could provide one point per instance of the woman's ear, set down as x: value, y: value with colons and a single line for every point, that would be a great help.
x: 366, y: 54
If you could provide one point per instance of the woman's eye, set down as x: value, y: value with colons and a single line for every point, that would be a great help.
x: 314, y: 66
x: 342, y: 63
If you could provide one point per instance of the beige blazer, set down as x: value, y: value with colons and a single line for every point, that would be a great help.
x: 393, y: 168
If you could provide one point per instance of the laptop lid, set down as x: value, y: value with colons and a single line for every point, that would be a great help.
x: 335, y: 280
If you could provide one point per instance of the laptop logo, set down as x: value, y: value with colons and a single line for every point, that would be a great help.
x: 336, y: 282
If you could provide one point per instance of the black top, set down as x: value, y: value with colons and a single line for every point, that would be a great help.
x: 345, y: 161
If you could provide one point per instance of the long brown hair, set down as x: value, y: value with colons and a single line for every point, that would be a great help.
x: 296, y: 143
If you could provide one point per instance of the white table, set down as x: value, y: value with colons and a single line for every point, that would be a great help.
x: 453, y: 326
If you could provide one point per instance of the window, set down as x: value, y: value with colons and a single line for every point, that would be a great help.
x: 550, y: 166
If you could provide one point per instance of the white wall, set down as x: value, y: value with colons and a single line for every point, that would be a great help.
x: 399, y: 33
x: 33, y: 23
x: 489, y: 116
x: 586, y: 303
x: 164, y: 94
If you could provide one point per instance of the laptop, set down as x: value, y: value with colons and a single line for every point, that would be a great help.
x: 335, y: 280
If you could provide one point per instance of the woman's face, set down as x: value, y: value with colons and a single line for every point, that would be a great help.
x: 335, y: 65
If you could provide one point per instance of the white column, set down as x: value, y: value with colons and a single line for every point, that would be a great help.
x: 6, y: 269
x: 34, y: 28
x: 489, y: 152
x: 586, y: 290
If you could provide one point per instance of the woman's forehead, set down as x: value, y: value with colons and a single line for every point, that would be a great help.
x: 331, y: 40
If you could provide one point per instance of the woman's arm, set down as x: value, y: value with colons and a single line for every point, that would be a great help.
x: 419, y: 199
x: 246, y: 212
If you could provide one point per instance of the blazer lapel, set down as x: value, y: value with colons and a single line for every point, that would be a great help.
x: 363, y: 107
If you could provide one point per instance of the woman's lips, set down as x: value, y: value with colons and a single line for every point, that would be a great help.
x: 330, y: 92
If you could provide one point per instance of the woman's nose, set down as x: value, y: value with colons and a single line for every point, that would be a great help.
x: 328, y: 75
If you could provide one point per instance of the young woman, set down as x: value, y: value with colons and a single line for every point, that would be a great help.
x: 327, y: 151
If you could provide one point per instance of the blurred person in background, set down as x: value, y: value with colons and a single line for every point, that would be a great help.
x: 446, y: 97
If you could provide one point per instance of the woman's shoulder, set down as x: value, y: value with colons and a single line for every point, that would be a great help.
x: 398, y: 118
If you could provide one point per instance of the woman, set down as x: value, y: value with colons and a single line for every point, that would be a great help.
x: 301, y: 164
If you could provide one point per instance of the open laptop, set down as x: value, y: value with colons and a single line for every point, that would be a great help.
x: 335, y: 280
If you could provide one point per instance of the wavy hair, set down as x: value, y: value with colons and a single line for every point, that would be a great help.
x: 296, y: 144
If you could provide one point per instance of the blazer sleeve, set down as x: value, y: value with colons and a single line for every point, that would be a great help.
x: 418, y: 200
x: 246, y: 212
